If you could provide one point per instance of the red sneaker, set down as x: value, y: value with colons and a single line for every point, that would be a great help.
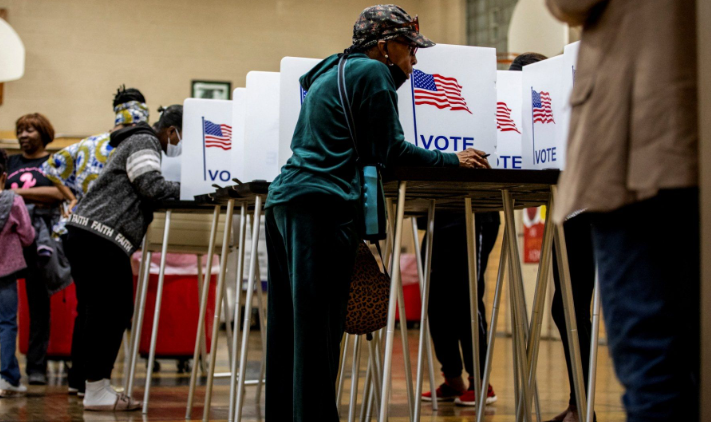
x: 468, y: 398
x: 445, y: 392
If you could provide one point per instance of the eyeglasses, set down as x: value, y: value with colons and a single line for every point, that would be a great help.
x: 412, y: 47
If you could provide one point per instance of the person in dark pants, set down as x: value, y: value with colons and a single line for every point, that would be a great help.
x: 449, y: 293
x: 649, y: 285
x: 311, y: 289
x: 449, y: 307
x: 25, y: 178
x: 107, y: 227
x: 312, y: 210
x: 78, y: 167
x: 581, y: 263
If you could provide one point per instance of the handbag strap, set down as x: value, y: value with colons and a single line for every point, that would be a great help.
x: 346, y: 104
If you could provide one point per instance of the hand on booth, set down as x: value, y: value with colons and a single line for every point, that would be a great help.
x: 473, y: 158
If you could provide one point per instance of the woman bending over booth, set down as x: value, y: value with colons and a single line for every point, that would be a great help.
x: 106, y: 228
x: 312, y: 208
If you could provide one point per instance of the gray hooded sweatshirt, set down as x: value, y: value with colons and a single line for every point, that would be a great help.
x: 119, y: 206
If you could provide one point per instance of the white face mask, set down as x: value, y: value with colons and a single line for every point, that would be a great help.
x: 175, y: 150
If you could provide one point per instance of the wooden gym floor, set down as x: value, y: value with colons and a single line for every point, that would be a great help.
x: 170, y: 389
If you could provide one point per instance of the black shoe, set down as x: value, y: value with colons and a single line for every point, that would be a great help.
x: 37, y: 378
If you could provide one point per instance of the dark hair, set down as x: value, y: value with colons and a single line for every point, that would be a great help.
x: 40, y: 123
x: 3, y: 162
x: 124, y: 95
x: 525, y: 59
x: 171, y: 116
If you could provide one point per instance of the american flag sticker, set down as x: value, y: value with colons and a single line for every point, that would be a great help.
x: 436, y: 90
x: 542, y: 107
x: 504, y: 122
x: 217, y: 135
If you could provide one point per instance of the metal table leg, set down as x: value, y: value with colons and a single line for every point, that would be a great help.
x: 367, y: 390
x: 571, y: 323
x: 263, y: 334
x: 355, y: 372
x: 341, y: 373
x: 377, y: 373
x: 592, y: 368
x: 135, y: 322
x: 406, y: 352
x: 200, y: 347
x: 492, y: 331
x: 521, y: 325
x: 539, y: 302
x: 251, y: 276
x: 473, y: 292
x: 203, y: 345
x: 394, y: 287
x: 219, y: 295
x: 156, y: 314
x: 237, y: 314
x: 424, y: 327
x: 428, y: 339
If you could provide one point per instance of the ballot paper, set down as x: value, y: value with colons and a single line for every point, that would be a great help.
x: 291, y: 97
x: 508, y: 120
x: 207, y: 143
x: 543, y: 100
x: 261, y: 127
x: 449, y: 102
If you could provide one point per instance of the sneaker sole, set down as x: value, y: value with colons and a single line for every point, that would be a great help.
x: 439, y: 399
x: 489, y: 400
x: 11, y: 393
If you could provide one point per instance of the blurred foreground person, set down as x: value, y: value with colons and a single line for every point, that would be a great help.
x: 105, y: 230
x: 632, y: 162
x: 313, y: 210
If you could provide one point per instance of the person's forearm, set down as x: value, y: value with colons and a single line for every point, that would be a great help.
x: 41, y: 195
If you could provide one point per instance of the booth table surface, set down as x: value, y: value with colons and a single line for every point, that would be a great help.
x: 450, y: 186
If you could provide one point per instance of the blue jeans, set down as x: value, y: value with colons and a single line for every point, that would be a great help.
x: 9, y: 368
x: 648, y: 261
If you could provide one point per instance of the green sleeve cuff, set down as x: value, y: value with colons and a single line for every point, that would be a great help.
x: 451, y: 159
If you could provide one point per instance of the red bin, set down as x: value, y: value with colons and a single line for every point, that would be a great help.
x: 63, y: 312
x: 177, y: 326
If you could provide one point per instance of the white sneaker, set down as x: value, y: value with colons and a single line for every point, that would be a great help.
x: 9, y: 390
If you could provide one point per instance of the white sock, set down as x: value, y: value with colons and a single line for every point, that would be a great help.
x: 99, y: 393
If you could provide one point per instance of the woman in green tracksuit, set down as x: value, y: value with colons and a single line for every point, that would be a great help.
x: 311, y: 209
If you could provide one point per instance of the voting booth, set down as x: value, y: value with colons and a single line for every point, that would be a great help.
x: 291, y: 96
x: 261, y: 127
x: 207, y: 145
x: 508, y: 120
x: 546, y: 89
x: 449, y: 102
x: 542, y: 99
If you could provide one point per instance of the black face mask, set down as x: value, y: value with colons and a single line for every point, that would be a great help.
x: 398, y: 75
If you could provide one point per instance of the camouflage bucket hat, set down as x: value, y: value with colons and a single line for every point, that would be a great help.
x: 386, y: 22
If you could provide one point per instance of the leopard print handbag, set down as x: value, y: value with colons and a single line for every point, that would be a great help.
x: 369, y: 295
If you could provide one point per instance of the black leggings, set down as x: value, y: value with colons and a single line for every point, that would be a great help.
x: 581, y: 261
x: 104, y: 281
x: 449, y: 310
